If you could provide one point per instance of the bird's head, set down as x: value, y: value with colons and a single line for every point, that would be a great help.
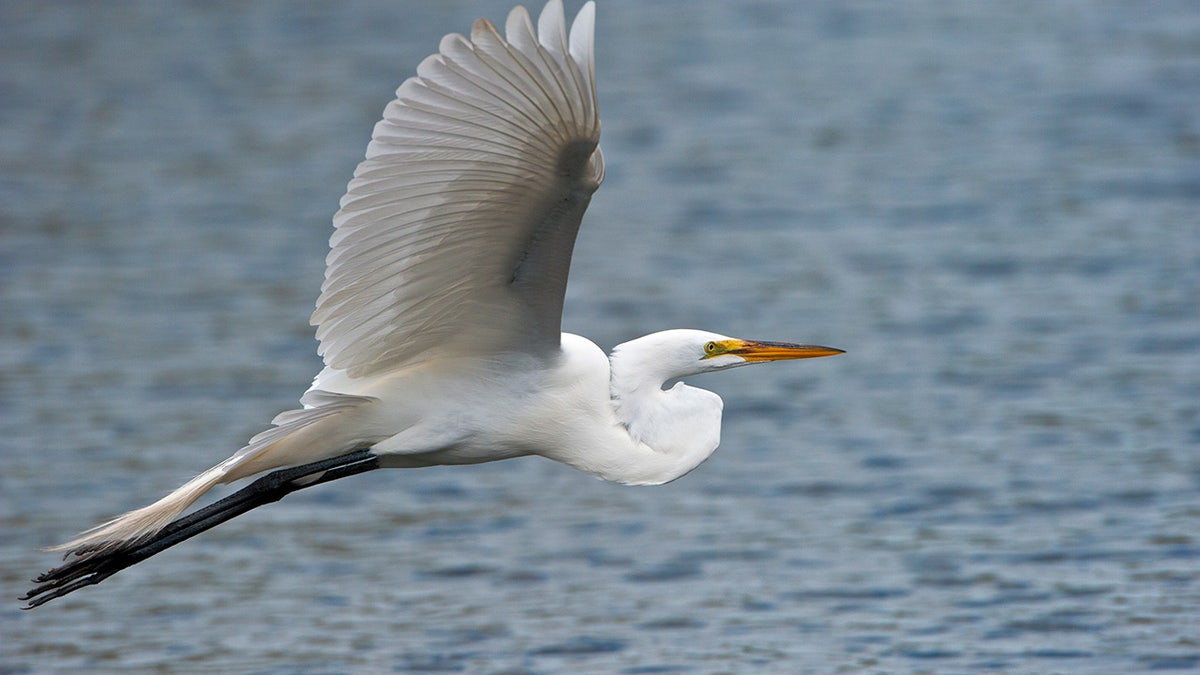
x: 678, y: 353
x: 718, y: 352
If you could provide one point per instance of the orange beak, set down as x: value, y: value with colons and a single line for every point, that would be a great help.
x: 756, y: 351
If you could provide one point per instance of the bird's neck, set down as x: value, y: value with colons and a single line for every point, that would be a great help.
x: 672, y: 431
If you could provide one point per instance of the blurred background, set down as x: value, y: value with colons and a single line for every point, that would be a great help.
x: 993, y: 207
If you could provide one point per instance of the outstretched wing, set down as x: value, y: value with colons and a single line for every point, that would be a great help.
x: 455, y: 235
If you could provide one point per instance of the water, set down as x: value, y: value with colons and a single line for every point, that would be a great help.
x: 993, y: 208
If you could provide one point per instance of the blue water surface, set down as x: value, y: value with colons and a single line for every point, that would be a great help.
x: 991, y: 206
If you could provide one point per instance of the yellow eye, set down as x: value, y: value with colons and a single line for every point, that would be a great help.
x: 710, y: 348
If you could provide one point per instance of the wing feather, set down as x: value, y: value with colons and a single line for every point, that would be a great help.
x: 455, y: 234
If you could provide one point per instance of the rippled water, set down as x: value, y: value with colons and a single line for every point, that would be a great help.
x: 992, y: 207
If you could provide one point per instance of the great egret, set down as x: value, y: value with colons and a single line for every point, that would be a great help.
x: 439, y: 318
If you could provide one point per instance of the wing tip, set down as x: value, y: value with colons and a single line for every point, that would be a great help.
x: 583, y: 42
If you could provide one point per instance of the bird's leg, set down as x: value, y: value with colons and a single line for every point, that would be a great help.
x: 92, y: 568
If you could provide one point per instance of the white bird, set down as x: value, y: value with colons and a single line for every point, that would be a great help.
x: 440, y: 316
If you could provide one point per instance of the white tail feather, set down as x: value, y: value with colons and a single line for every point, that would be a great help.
x: 278, y: 447
x: 138, y: 524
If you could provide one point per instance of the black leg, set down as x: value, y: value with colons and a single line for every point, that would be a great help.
x: 92, y: 568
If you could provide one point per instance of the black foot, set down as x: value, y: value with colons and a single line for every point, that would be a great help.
x: 91, y: 566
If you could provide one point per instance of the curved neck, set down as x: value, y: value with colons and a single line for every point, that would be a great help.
x: 631, y: 430
x: 675, y: 430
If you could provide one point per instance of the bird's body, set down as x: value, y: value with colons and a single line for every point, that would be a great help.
x: 439, y: 319
x: 562, y: 409
x: 513, y: 404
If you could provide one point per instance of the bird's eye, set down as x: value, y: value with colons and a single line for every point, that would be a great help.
x: 710, y: 348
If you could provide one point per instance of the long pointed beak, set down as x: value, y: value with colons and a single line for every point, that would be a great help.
x: 756, y: 351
